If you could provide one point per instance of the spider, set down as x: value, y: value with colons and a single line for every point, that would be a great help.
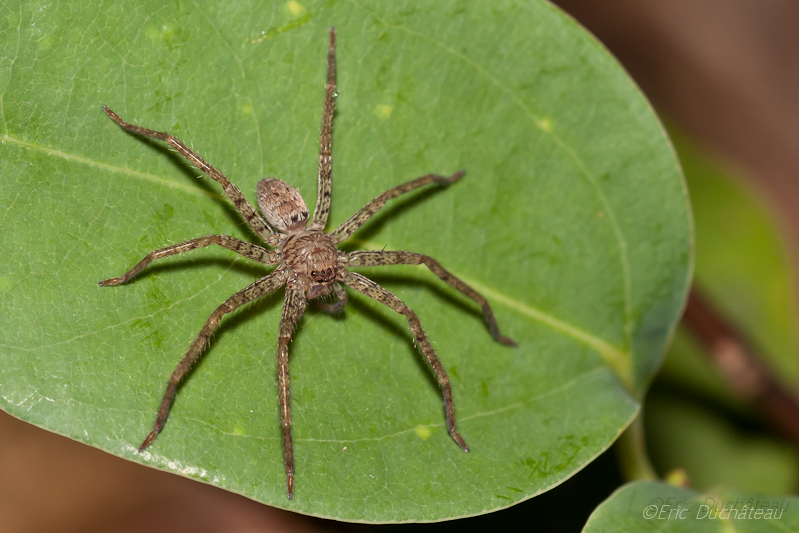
x: 308, y: 263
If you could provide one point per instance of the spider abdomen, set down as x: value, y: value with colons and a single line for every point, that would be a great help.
x: 282, y: 205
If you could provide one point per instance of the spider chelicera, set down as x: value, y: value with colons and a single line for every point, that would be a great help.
x: 308, y: 263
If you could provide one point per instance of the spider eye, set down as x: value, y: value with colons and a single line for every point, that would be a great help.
x: 314, y: 273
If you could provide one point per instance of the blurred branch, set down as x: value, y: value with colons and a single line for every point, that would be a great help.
x: 740, y: 366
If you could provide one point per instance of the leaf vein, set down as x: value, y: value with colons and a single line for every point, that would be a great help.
x: 555, y: 390
x: 105, y: 166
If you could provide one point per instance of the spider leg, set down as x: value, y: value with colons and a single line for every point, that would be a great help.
x: 260, y: 288
x: 252, y: 218
x: 333, y: 308
x: 293, y: 308
x: 249, y: 250
x: 371, y: 289
x: 357, y: 220
x: 325, y: 140
x: 375, y: 258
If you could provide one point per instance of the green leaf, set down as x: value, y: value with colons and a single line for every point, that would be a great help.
x: 648, y: 506
x: 572, y: 219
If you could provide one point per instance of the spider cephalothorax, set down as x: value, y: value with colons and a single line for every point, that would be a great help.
x: 308, y: 263
x: 312, y: 254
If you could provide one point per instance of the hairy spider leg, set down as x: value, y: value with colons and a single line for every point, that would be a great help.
x: 252, y: 218
x: 293, y: 308
x: 365, y: 213
x: 260, y: 288
x: 325, y: 141
x: 380, y: 258
x: 249, y: 250
x: 371, y: 289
